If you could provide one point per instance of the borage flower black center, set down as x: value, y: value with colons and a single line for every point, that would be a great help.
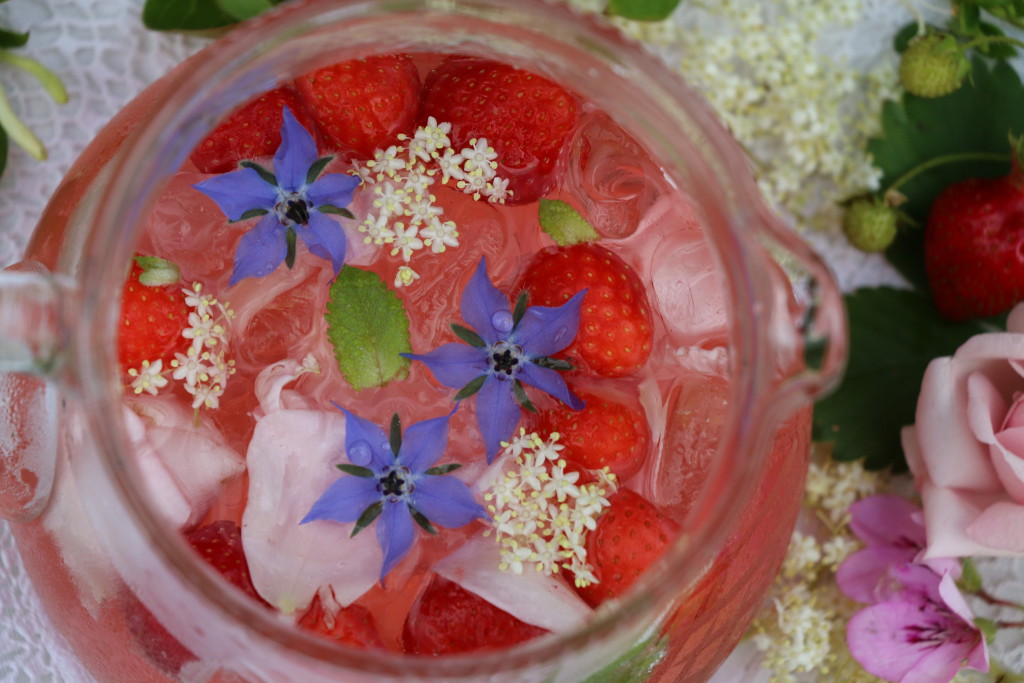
x: 395, y: 483
x: 504, y: 360
x: 293, y: 209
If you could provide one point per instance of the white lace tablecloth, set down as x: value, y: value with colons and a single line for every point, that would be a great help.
x: 104, y: 56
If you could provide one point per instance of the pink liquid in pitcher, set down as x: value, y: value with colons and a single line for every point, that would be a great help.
x: 284, y: 380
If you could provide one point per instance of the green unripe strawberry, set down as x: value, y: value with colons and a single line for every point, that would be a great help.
x: 933, y: 65
x: 870, y: 224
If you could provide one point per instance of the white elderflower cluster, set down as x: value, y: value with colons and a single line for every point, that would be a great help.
x: 541, y: 513
x: 801, y: 113
x: 802, y: 628
x: 204, y: 368
x: 404, y: 215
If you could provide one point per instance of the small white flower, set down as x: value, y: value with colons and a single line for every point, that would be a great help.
x: 405, y: 276
x: 407, y: 241
x: 149, y: 378
x: 439, y: 235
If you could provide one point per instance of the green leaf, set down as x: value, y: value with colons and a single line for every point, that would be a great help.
x: 184, y: 15
x: 251, y: 213
x: 467, y: 335
x: 337, y: 210
x: 263, y: 173
x: 996, y: 49
x: 442, y: 469
x: 244, y: 9
x: 553, y: 363
x: 916, y: 130
x: 3, y: 151
x: 369, y: 328
x: 10, y: 39
x: 520, y: 393
x: 472, y: 386
x: 564, y: 224
x: 904, y: 36
x: 356, y: 471
x: 395, y: 435
x: 317, y: 168
x: 422, y: 521
x: 289, y: 241
x: 970, y: 578
x: 366, y: 519
x: 894, y: 334
x: 636, y: 664
x: 520, y: 309
x: 642, y: 10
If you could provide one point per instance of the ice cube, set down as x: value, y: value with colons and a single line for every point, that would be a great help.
x: 184, y: 466
x: 614, y: 180
x: 532, y: 597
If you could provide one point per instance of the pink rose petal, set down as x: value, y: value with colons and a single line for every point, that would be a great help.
x: 999, y: 529
x: 1015, y: 321
x: 912, y: 452
x: 952, y: 454
x: 986, y: 408
x: 948, y: 513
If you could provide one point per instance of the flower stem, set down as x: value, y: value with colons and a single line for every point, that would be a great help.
x: 1010, y: 624
x: 18, y: 131
x: 49, y: 80
x: 942, y: 160
x: 984, y: 40
x: 992, y: 600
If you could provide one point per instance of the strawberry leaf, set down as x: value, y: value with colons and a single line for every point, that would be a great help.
x: 894, y: 334
x: 368, y: 327
x: 915, y: 130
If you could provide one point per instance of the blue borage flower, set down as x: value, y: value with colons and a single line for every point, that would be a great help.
x: 292, y: 202
x: 394, y: 478
x: 504, y: 350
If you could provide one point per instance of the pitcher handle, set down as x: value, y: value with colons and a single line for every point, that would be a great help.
x: 33, y: 348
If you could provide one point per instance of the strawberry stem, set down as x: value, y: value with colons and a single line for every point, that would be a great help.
x: 942, y: 160
x: 981, y: 41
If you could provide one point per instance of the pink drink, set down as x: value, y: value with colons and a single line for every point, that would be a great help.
x: 225, y: 470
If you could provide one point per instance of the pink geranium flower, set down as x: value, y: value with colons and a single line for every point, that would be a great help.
x: 924, y: 634
x: 893, y: 531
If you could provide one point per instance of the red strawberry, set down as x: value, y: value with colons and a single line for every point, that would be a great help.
x: 220, y: 544
x: 151, y: 638
x: 616, y: 329
x: 352, y: 625
x: 629, y: 537
x: 251, y: 132
x: 153, y: 316
x: 525, y: 118
x: 448, y: 619
x: 974, y: 246
x: 606, y: 433
x: 364, y: 104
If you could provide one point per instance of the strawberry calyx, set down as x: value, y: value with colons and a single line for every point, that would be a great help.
x: 157, y: 272
x: 564, y: 224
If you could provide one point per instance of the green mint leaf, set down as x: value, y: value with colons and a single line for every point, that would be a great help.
x: 636, y: 664
x: 10, y: 39
x: 356, y: 470
x: 317, y: 168
x: 366, y: 519
x: 263, y: 173
x: 422, y: 521
x: 471, y: 388
x: 520, y: 309
x: 564, y: 224
x: 184, y: 15
x: 395, y: 437
x: 642, y: 10
x: 520, y: 393
x: 330, y: 208
x: 442, y: 469
x: 467, y: 335
x: 369, y: 328
x: 244, y: 9
x: 894, y: 334
x: 290, y: 247
x: 157, y: 272
x: 916, y: 130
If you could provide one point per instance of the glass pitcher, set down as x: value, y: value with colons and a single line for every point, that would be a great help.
x: 70, y: 482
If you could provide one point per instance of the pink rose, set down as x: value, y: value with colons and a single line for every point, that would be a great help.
x: 966, y: 450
